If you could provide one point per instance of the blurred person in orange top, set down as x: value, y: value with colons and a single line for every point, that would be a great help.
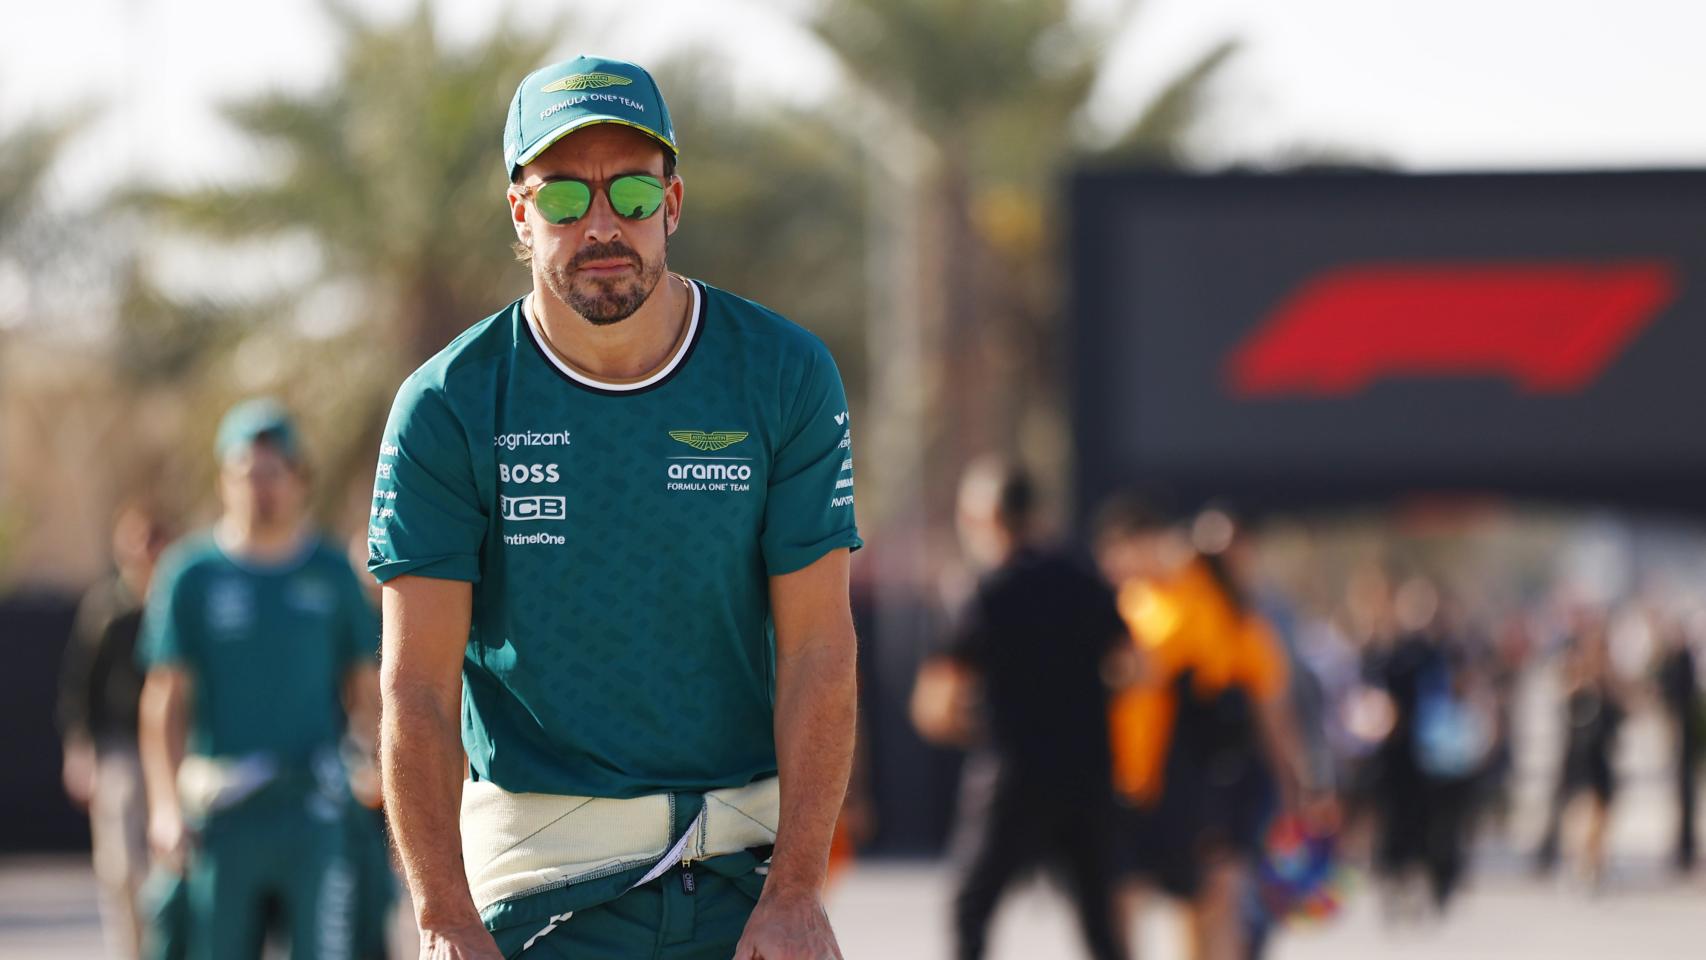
x: 1203, y: 739
x: 1024, y: 680
x: 100, y: 687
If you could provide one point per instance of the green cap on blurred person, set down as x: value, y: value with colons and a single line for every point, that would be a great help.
x: 554, y: 101
x: 254, y: 420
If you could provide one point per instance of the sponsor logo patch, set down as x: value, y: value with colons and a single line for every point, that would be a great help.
x: 528, y: 473
x: 534, y: 508
x: 585, y: 81
x: 708, y: 442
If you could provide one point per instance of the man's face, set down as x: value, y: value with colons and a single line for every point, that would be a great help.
x: 261, y: 485
x: 602, y: 265
x: 1132, y: 555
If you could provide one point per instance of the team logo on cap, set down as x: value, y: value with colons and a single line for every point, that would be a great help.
x: 585, y: 81
x: 700, y: 440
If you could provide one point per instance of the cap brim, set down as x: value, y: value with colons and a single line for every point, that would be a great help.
x: 544, y: 143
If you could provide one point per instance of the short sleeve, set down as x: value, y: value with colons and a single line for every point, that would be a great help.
x: 166, y: 637
x: 426, y: 519
x: 808, y: 509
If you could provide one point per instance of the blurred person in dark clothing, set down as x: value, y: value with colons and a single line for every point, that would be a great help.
x: 1031, y: 660
x: 99, y: 690
x: 1594, y: 711
x: 1427, y: 767
x: 1679, y: 686
x: 1205, y: 738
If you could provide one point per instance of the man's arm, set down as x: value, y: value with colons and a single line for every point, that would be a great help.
x: 163, y: 723
x: 420, y: 754
x: 816, y: 658
x: 72, y: 711
x: 943, y: 704
x: 361, y: 710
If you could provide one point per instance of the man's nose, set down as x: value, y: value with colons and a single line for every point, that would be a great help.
x: 600, y: 224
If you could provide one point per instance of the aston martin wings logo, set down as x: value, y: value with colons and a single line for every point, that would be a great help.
x: 715, y: 440
x: 585, y: 81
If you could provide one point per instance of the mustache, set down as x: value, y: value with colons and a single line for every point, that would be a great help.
x: 605, y: 251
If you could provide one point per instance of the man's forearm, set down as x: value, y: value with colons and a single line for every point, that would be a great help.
x: 815, y: 719
x: 422, y: 765
x: 161, y: 728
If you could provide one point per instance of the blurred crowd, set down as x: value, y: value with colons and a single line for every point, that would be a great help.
x: 1164, y: 718
x: 1160, y: 716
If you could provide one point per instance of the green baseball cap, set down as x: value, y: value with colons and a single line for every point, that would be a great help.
x: 254, y: 420
x: 554, y: 101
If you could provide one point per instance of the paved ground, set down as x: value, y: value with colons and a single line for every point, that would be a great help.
x: 897, y: 911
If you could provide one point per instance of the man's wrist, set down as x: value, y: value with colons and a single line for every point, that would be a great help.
x: 792, y: 883
x: 446, y: 913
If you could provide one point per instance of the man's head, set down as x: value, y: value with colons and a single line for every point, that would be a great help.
x: 1133, y: 540
x: 140, y: 534
x: 997, y: 508
x: 262, y: 480
x: 593, y: 192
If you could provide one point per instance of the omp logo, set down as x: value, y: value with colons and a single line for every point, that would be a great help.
x: 1550, y: 328
x: 585, y: 81
x: 534, y: 508
x: 716, y: 440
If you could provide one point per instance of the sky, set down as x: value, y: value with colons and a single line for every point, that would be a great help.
x: 1441, y: 85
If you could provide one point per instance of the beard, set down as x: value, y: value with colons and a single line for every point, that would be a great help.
x: 604, y: 301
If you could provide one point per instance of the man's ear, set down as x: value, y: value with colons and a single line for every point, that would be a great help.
x: 518, y: 215
x: 672, y: 197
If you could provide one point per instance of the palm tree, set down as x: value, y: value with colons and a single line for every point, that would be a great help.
x: 393, y: 169
x: 27, y: 153
x: 773, y: 206
x: 993, y: 89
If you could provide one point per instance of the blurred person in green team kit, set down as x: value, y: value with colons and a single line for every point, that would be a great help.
x: 257, y: 644
x: 613, y: 521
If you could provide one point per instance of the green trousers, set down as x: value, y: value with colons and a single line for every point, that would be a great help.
x: 279, y: 872
x: 270, y: 862
x: 688, y: 913
x: 661, y: 920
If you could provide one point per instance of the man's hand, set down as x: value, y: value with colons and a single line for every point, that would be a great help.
x: 465, y: 942
x: 944, y: 702
x: 787, y: 926
x: 78, y: 772
x: 168, y: 840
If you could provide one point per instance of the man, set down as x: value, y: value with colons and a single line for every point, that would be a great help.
x: 613, y: 522
x: 1037, y: 645
x: 252, y: 632
x: 1679, y: 687
x: 99, y: 689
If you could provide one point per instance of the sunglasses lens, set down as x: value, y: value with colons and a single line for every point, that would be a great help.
x: 561, y: 201
x: 636, y: 197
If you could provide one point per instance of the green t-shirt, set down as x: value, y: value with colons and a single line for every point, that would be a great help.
x: 268, y: 647
x: 620, y: 540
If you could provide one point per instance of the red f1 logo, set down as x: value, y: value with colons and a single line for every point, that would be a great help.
x: 1550, y: 327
